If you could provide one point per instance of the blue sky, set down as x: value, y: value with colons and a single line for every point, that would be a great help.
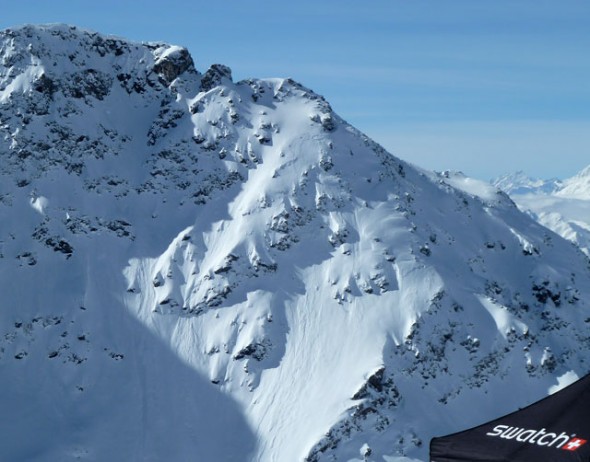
x: 486, y: 87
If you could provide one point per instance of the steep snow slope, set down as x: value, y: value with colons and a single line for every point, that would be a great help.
x: 564, y: 208
x: 196, y: 269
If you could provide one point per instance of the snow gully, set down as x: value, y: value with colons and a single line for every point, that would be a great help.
x: 539, y: 437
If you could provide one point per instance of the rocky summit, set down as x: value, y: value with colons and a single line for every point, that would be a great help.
x: 194, y: 268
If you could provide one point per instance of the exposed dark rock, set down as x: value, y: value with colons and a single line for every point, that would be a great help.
x: 254, y: 350
x: 543, y: 293
x: 89, y: 82
x: 45, y: 85
x: 60, y: 245
x: 214, y: 76
x: 173, y: 63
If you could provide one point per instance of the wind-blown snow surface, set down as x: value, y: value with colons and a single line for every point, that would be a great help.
x: 196, y: 269
x: 563, y: 207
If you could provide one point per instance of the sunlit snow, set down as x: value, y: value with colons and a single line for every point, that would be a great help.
x: 200, y: 269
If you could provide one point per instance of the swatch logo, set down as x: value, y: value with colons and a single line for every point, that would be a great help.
x: 539, y: 437
x: 574, y: 444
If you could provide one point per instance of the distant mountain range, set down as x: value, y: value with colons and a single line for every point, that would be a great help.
x: 519, y: 183
x: 193, y: 268
x: 562, y: 206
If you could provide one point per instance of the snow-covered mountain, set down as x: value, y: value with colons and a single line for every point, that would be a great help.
x: 198, y: 269
x: 576, y: 187
x: 520, y: 183
x: 562, y: 206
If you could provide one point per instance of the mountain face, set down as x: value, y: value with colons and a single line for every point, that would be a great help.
x: 562, y: 206
x: 197, y: 269
x: 519, y: 183
x: 576, y: 187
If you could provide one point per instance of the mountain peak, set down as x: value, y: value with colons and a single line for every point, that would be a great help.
x: 578, y: 186
x: 175, y: 244
x: 56, y: 50
x: 520, y: 183
x: 172, y: 61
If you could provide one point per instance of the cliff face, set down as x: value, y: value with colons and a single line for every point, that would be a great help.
x: 193, y: 267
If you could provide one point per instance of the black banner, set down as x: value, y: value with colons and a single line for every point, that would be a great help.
x: 555, y: 429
